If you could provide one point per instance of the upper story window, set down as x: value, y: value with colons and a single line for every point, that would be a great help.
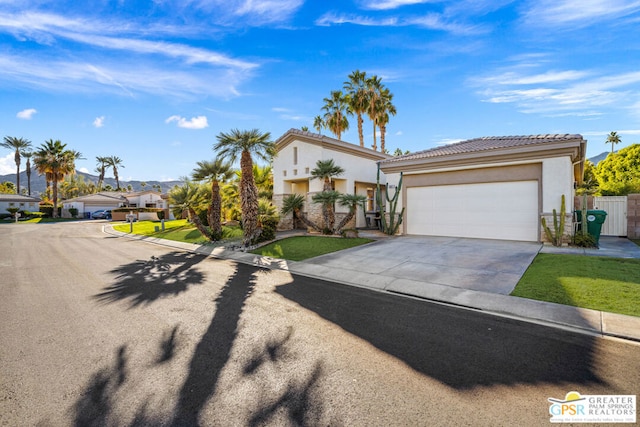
x: 295, y: 155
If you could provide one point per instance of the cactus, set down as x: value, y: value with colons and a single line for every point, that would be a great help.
x: 556, y: 236
x: 395, y: 220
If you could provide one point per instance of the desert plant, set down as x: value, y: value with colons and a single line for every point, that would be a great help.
x: 556, y: 236
x: 395, y: 220
x: 73, y: 212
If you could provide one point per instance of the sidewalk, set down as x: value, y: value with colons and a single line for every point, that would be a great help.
x: 556, y: 315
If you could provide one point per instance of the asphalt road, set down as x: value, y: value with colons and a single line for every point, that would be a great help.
x: 105, y: 331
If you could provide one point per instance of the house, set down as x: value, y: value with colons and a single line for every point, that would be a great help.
x: 494, y: 187
x: 24, y: 203
x: 113, y: 200
x: 297, y: 154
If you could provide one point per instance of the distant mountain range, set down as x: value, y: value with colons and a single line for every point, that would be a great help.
x: 39, y: 184
x: 600, y: 157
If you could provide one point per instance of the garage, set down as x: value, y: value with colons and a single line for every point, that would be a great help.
x: 497, y: 210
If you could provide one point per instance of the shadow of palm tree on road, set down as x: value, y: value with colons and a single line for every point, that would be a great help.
x: 145, y: 281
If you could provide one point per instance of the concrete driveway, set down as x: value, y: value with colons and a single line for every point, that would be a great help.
x: 493, y: 266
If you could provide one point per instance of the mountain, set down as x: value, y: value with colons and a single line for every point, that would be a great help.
x: 595, y: 160
x: 39, y: 184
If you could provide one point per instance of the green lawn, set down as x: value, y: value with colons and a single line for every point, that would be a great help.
x: 599, y: 283
x: 303, y: 247
x: 178, y: 230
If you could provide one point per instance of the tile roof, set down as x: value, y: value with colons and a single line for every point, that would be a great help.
x: 486, y: 144
x: 18, y: 198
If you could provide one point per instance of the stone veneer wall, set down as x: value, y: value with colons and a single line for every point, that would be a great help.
x: 633, y: 216
x: 568, y: 227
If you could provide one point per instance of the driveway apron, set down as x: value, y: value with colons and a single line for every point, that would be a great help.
x: 493, y: 266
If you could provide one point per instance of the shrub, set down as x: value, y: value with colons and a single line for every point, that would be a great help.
x: 583, y: 240
x: 73, y: 212
x: 269, y: 227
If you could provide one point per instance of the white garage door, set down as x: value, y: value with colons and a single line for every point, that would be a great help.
x: 501, y: 210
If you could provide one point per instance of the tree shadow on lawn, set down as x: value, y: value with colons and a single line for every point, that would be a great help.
x: 460, y: 348
x: 145, y: 281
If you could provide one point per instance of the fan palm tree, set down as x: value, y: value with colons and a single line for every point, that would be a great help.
x: 385, y: 108
x: 19, y: 145
x: 101, y: 168
x: 326, y: 170
x: 294, y: 203
x: 188, y: 198
x: 374, y: 88
x: 114, y: 162
x: 336, y: 108
x: 55, y: 161
x: 263, y: 176
x: 357, y: 93
x: 245, y: 144
x: 351, y: 201
x: 215, y: 171
x: 27, y: 155
x: 318, y: 124
x: 328, y: 200
x: 613, y: 138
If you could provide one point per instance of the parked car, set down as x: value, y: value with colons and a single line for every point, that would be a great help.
x: 102, y: 214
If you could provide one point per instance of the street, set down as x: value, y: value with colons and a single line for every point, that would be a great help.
x: 106, y: 331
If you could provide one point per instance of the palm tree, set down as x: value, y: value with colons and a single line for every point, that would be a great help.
x: 318, y: 124
x: 385, y: 107
x: 613, y: 138
x: 101, y: 168
x: 55, y: 161
x: 188, y: 198
x: 328, y: 200
x: 352, y: 201
x: 374, y: 87
x: 336, y: 108
x: 113, y: 162
x: 215, y: 171
x: 28, y: 155
x: 263, y: 176
x: 357, y: 92
x: 294, y: 203
x: 246, y: 143
x: 326, y: 170
x: 19, y: 145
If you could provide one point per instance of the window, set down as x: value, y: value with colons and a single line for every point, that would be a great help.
x: 284, y: 173
x: 306, y: 170
x: 295, y: 172
x: 370, y: 199
x: 295, y: 155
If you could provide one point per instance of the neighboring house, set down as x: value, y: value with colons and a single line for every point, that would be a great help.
x: 297, y: 154
x: 113, y: 200
x: 24, y: 203
x: 495, y: 188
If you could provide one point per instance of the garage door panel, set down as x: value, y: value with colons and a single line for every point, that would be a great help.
x: 503, y: 210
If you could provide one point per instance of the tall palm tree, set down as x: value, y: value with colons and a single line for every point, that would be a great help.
x: 101, y: 168
x: 215, y: 172
x: 328, y: 200
x: 336, y: 108
x: 385, y: 108
x: 613, y: 138
x: 18, y: 145
x: 318, y: 124
x: 114, y: 162
x: 357, y: 92
x: 55, y: 161
x: 245, y: 144
x: 27, y: 155
x: 374, y: 87
x: 294, y: 203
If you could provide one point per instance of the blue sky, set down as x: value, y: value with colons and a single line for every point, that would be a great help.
x: 154, y: 82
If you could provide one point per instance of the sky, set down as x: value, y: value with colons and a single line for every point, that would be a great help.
x: 154, y: 82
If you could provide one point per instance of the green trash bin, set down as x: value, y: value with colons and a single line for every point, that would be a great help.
x: 595, y: 219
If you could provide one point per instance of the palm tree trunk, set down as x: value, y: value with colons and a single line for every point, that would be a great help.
x: 360, y: 131
x: 345, y: 221
x: 303, y: 217
x: 375, y: 143
x: 383, y: 131
x: 55, y: 195
x: 199, y: 225
x: 214, y: 211
x: 28, y: 170
x: 17, y: 159
x: 248, y: 199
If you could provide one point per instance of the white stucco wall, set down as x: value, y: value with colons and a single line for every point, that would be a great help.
x: 557, y: 179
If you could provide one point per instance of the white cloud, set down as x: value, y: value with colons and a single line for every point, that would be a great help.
x: 578, y: 12
x: 84, y: 170
x: 7, y: 164
x: 391, y: 4
x: 253, y: 12
x: 26, y: 114
x: 199, y: 122
x: 99, y: 122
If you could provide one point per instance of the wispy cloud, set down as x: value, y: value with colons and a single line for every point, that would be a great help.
x: 251, y: 12
x: 99, y: 122
x: 391, y: 4
x: 26, y: 114
x: 578, y: 12
x: 199, y: 122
